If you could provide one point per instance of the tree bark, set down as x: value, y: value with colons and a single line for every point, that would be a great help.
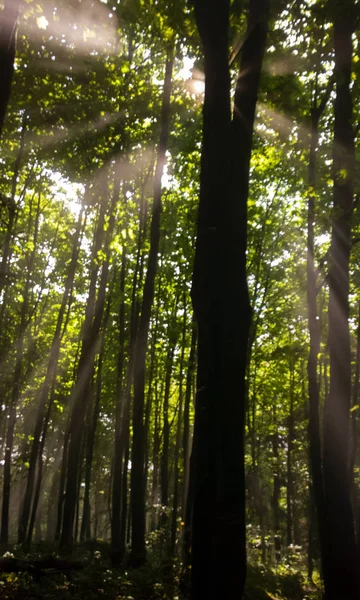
x: 221, y: 304
x: 290, y: 445
x: 119, y: 414
x: 276, y: 494
x: 123, y: 407
x: 138, y: 551
x: 317, y: 488
x: 85, y: 533
x: 343, y: 572
x: 186, y: 441
x: 172, y: 336
x: 176, y: 495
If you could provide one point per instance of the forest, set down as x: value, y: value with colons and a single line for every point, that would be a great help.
x: 180, y: 299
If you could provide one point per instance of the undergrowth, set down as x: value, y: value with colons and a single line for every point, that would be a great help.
x: 159, y: 579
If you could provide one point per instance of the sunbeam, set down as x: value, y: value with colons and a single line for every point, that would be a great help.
x: 83, y: 25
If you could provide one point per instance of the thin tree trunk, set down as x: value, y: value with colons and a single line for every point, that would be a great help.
x: 178, y: 438
x: 78, y: 488
x: 138, y: 551
x: 125, y: 442
x: 85, y: 530
x: 151, y: 378
x: 317, y: 488
x: 155, y: 492
x: 276, y: 496
x: 290, y: 445
x: 61, y: 498
x: 186, y: 432
x: 166, y: 426
x: 118, y: 450
x: 90, y: 442
x: 18, y: 377
x: 47, y: 384
x: 342, y: 577
x: 80, y: 393
x: 123, y: 408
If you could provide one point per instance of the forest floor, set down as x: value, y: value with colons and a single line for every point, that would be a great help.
x: 158, y: 580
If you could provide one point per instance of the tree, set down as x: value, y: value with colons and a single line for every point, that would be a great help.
x: 221, y: 303
x: 343, y: 576
x: 138, y: 552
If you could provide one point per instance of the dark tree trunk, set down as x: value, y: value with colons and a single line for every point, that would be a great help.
x: 138, y: 551
x: 290, y: 446
x: 61, y: 498
x: 176, y: 496
x: 155, y: 491
x: 125, y: 434
x: 221, y: 304
x: 317, y: 493
x: 123, y: 407
x: 311, y: 533
x: 118, y: 450
x: 52, y: 506
x: 78, y: 489
x: 186, y: 442
x: 151, y: 378
x: 166, y: 425
x: 275, y: 501
x: 85, y: 532
x: 343, y: 575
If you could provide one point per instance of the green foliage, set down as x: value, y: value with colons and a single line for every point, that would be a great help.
x: 158, y: 580
x: 279, y: 584
x: 84, y: 121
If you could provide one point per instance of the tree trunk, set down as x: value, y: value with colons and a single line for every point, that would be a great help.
x: 89, y: 348
x: 61, y: 498
x: 18, y: 375
x: 123, y: 407
x: 85, y: 531
x: 275, y: 501
x: 125, y: 439
x: 138, y: 551
x: 186, y: 442
x: 290, y: 445
x: 155, y: 492
x: 221, y: 304
x: 118, y: 449
x: 172, y: 335
x: 343, y: 572
x: 46, y: 386
x: 317, y: 488
x: 178, y: 438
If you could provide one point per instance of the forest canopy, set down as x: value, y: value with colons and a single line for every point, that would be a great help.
x: 179, y: 298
